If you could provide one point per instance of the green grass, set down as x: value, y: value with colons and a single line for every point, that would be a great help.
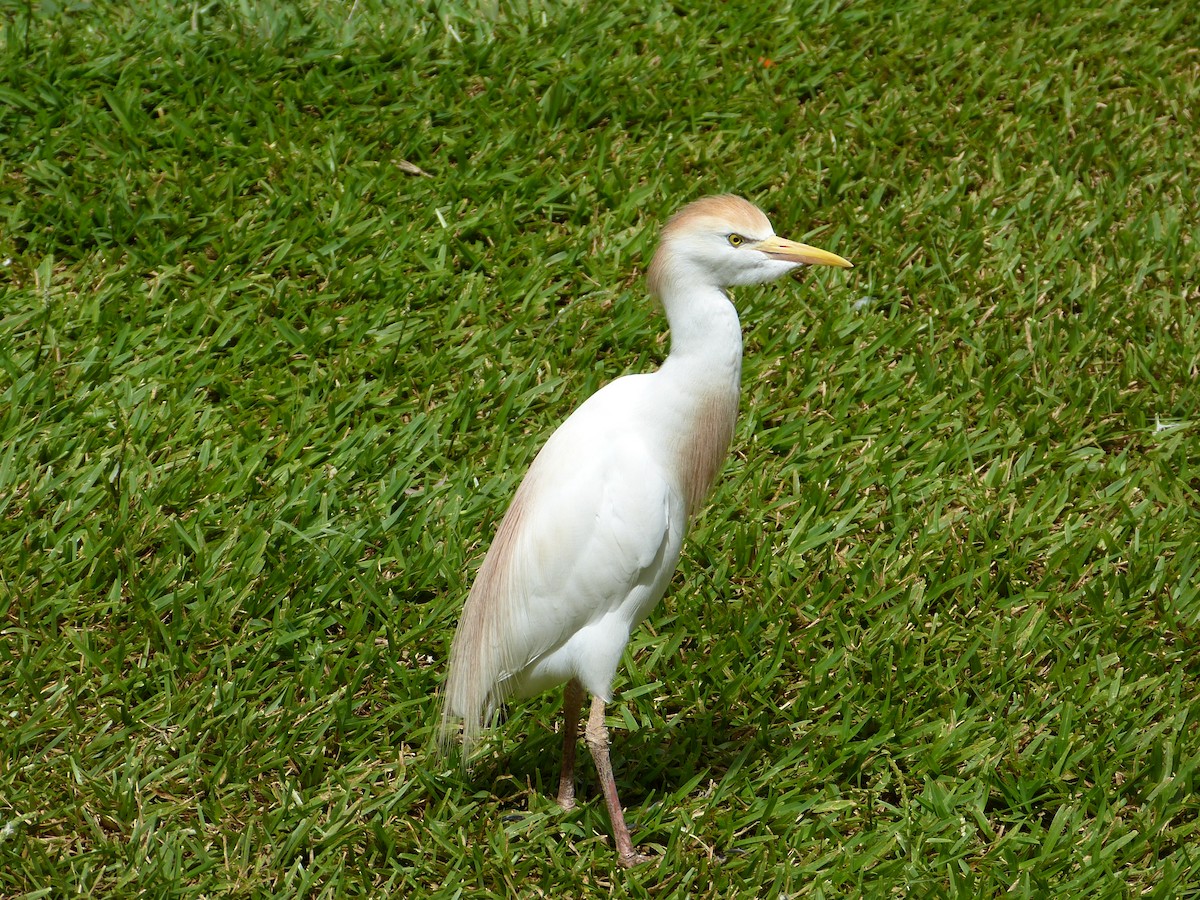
x: 264, y: 395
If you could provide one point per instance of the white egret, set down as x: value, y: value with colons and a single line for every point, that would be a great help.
x: 594, y: 531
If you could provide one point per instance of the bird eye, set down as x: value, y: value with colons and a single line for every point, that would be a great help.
x: 736, y: 240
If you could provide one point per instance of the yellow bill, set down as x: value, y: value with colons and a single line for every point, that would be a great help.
x: 793, y: 251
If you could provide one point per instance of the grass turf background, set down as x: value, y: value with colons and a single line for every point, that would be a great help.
x: 265, y: 390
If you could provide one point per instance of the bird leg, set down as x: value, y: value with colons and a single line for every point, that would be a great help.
x: 572, y: 700
x: 597, y: 741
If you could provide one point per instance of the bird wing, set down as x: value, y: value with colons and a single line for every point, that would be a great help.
x: 593, y: 531
x: 594, y: 528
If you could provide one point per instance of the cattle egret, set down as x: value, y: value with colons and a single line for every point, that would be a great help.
x: 594, y: 531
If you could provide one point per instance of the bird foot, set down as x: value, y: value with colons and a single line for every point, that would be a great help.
x: 567, y: 803
x: 634, y: 859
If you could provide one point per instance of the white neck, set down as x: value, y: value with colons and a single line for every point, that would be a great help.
x: 700, y: 379
x: 706, y: 337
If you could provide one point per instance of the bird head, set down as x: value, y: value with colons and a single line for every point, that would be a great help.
x: 726, y: 241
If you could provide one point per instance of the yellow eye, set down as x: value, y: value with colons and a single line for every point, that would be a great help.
x: 736, y: 240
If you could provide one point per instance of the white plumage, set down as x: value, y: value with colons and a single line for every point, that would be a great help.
x: 594, y: 532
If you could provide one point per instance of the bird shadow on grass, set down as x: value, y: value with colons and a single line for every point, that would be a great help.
x: 656, y: 769
x: 647, y: 763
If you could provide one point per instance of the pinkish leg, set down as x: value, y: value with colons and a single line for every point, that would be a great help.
x: 572, y: 700
x: 597, y: 740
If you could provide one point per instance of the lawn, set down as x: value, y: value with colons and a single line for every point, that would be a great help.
x: 294, y: 291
